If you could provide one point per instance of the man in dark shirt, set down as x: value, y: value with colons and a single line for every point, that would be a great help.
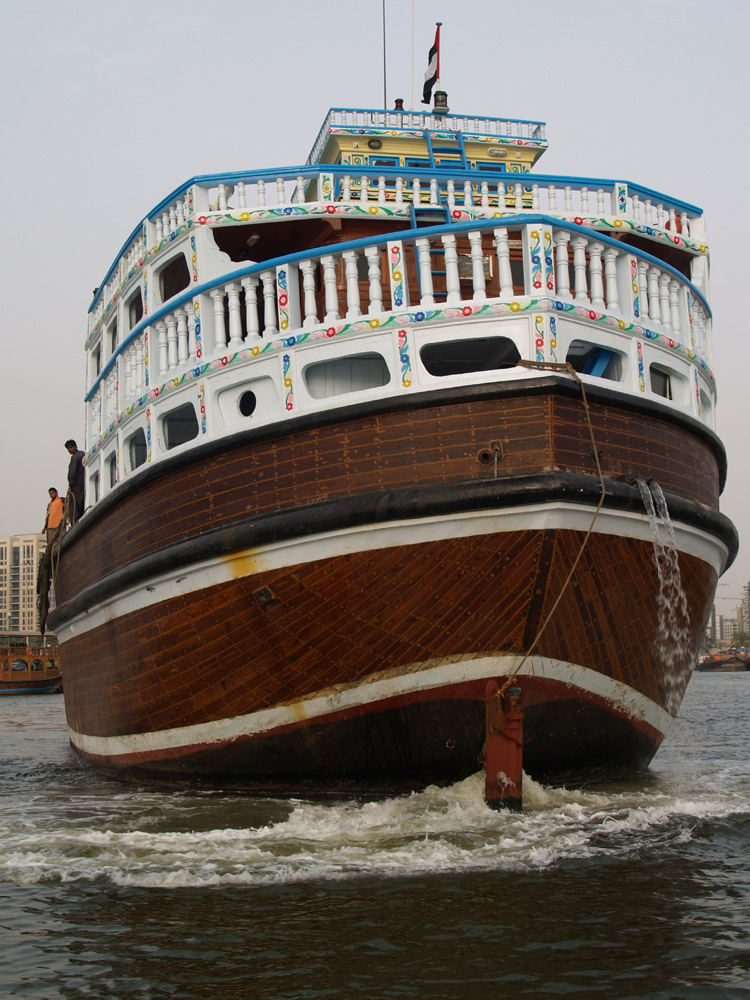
x: 76, y: 477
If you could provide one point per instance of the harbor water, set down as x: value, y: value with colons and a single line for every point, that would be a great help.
x: 639, y: 888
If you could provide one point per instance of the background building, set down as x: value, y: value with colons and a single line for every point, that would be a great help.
x: 19, y: 562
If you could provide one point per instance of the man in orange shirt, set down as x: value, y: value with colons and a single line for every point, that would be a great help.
x: 54, y: 515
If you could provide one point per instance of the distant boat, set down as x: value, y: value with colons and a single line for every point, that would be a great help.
x: 730, y: 662
x: 29, y: 664
x: 368, y: 435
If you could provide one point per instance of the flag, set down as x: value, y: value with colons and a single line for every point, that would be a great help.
x: 433, y: 68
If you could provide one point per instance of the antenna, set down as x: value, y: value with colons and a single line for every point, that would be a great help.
x: 412, y: 56
x: 385, y: 89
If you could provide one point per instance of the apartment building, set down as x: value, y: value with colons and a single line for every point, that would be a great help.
x: 19, y: 563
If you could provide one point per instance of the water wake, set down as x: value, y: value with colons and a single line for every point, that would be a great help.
x: 437, y: 830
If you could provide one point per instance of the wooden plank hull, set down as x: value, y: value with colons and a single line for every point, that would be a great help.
x: 334, y: 620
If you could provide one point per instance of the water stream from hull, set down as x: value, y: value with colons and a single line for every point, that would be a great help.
x: 673, y: 643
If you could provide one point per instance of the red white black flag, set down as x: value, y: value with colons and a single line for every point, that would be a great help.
x: 433, y: 68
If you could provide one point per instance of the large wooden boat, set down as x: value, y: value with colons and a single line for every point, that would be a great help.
x: 367, y: 433
x: 29, y: 664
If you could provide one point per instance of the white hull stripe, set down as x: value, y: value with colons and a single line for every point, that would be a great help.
x: 329, y: 545
x: 433, y: 675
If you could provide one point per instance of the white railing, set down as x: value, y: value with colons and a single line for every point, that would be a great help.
x: 390, y: 190
x: 421, y: 120
x: 449, y: 268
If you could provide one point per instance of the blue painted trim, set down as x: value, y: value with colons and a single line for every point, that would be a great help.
x: 307, y: 171
x: 404, y: 235
x: 35, y: 690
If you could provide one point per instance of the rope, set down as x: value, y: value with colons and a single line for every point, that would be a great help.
x: 563, y: 367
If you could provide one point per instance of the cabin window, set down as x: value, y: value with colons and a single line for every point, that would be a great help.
x: 6, y: 665
x: 593, y: 359
x: 51, y: 664
x: 135, y: 309
x: 19, y: 665
x: 180, y: 426
x: 137, y: 449
x: 37, y: 665
x: 174, y: 277
x: 661, y: 381
x: 461, y: 357
x: 112, y: 471
x: 94, y: 488
x: 112, y: 333
x: 354, y: 373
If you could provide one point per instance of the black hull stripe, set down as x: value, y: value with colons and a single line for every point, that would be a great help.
x: 378, y: 508
x: 547, y: 385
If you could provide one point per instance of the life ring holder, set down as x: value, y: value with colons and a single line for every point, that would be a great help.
x: 29, y: 650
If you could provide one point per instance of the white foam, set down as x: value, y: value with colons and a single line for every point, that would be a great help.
x: 160, y: 839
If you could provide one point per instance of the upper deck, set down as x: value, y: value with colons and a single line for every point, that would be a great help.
x: 404, y: 244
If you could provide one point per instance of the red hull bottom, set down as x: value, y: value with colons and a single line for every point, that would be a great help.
x: 438, y: 739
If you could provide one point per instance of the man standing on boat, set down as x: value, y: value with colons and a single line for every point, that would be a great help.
x: 76, y: 477
x: 54, y: 516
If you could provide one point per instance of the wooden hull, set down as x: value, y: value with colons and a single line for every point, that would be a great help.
x: 46, y: 685
x: 321, y: 608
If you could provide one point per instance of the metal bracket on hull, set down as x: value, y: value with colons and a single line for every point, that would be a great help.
x: 503, y: 763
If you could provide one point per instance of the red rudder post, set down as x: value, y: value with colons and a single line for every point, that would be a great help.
x: 503, y: 766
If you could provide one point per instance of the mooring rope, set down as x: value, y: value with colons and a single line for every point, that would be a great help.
x: 570, y: 370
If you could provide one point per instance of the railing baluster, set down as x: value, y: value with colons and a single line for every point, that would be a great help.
x: 579, y: 270
x: 270, y: 328
x: 654, y: 310
x: 505, y: 275
x: 674, y: 304
x: 562, y: 260
x: 235, y: 315
x: 610, y: 277
x: 308, y: 292
x: 220, y: 333
x: 664, y: 309
x: 329, y: 284
x: 182, y: 337
x: 643, y: 288
x: 452, y: 281
x: 427, y: 298
x: 595, y: 270
x: 373, y: 273
x: 477, y: 265
x: 352, y: 284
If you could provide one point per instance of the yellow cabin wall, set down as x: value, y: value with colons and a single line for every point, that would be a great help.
x: 353, y: 149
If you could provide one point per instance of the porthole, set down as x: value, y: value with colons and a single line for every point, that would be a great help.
x: 247, y: 403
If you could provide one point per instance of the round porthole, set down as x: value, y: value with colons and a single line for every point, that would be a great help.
x: 247, y: 403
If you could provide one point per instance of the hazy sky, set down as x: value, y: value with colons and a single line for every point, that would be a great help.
x: 109, y: 106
